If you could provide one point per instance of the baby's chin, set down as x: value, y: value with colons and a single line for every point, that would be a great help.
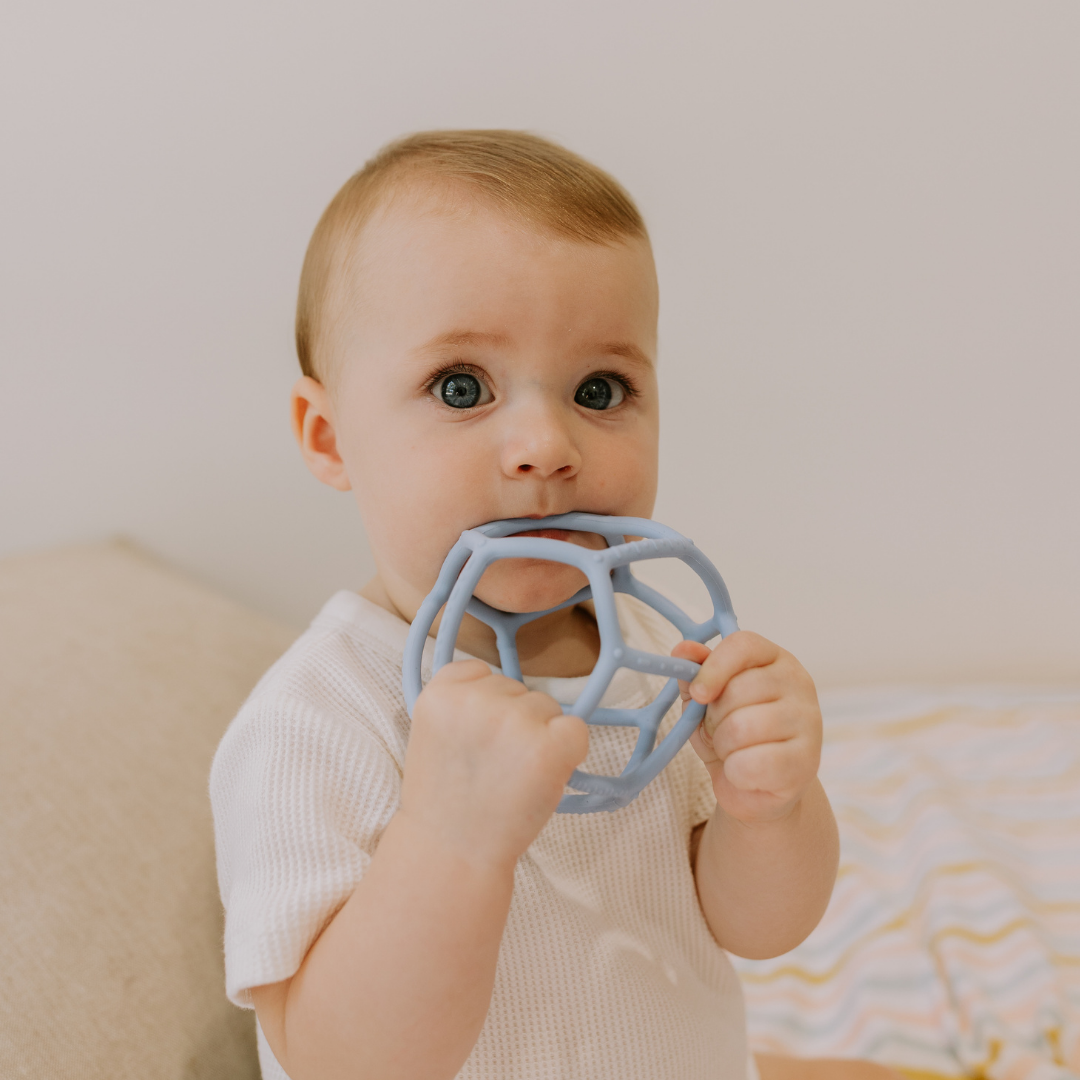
x: 519, y: 585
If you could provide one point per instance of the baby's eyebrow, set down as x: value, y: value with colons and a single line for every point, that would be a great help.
x: 628, y: 351
x: 457, y: 338
x: 464, y: 337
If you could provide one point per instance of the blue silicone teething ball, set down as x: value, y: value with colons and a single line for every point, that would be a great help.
x: 608, y: 572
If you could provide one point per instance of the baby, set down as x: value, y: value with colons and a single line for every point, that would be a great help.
x: 477, y: 332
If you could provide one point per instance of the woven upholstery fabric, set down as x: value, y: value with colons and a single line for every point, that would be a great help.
x: 117, y: 678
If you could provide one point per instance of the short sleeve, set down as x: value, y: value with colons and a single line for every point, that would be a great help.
x: 300, y: 799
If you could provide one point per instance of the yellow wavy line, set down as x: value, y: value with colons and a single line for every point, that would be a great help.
x: 862, y: 729
x: 959, y: 869
x: 875, y: 830
x: 956, y: 797
x: 904, y: 919
x: 922, y: 1074
x: 1053, y: 1037
x: 880, y: 788
x: 1008, y: 785
x: 977, y: 937
x: 819, y: 978
x: 979, y: 1072
x: 983, y: 718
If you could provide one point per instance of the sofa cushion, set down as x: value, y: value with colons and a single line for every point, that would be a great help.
x: 117, y: 679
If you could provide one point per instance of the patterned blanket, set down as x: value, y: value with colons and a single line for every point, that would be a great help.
x: 951, y: 946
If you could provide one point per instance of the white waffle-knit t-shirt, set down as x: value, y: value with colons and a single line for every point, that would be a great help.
x: 607, y: 969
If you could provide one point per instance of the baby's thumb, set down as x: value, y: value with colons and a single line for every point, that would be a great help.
x: 690, y: 650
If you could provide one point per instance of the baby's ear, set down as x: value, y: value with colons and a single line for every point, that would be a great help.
x: 314, y: 427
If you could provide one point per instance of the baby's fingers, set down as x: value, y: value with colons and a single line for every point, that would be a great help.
x: 690, y: 650
x: 749, y: 726
x: 737, y: 652
x: 777, y: 768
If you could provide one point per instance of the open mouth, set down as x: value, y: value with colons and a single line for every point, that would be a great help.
x: 555, y: 534
x: 580, y: 539
x: 570, y: 536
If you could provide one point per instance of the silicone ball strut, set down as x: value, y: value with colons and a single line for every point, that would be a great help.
x: 608, y: 572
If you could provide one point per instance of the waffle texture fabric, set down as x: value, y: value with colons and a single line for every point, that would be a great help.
x: 607, y: 968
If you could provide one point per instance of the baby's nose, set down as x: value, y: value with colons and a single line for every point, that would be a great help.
x: 540, y: 445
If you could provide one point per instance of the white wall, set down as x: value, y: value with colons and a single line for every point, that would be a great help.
x: 867, y: 225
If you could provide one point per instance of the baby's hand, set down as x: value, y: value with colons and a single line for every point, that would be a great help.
x: 761, y: 736
x: 487, y: 762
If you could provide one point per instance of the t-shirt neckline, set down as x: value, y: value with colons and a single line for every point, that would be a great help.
x: 363, y: 614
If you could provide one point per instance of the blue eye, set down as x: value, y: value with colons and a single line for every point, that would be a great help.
x: 599, y: 393
x: 461, y: 390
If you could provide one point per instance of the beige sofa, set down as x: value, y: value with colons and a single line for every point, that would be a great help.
x: 117, y: 678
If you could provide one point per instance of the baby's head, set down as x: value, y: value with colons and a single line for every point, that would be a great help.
x: 477, y: 331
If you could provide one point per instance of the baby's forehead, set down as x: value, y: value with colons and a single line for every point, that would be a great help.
x: 437, y: 271
x: 477, y: 260
x: 449, y: 217
x: 465, y: 177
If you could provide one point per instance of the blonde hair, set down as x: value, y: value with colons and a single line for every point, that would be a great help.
x: 531, y: 178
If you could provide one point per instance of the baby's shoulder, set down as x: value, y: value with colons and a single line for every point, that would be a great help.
x: 342, y: 675
x: 308, y: 774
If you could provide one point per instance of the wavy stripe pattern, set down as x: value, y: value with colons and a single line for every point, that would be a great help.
x: 951, y: 947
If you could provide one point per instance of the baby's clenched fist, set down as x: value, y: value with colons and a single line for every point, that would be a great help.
x: 761, y: 736
x: 487, y: 762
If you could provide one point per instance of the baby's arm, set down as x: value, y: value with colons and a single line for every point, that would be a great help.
x: 398, y: 984
x: 766, y: 860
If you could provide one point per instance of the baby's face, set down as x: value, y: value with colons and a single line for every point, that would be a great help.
x: 489, y: 371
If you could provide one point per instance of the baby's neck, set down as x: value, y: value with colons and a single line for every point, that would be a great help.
x: 566, y: 647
